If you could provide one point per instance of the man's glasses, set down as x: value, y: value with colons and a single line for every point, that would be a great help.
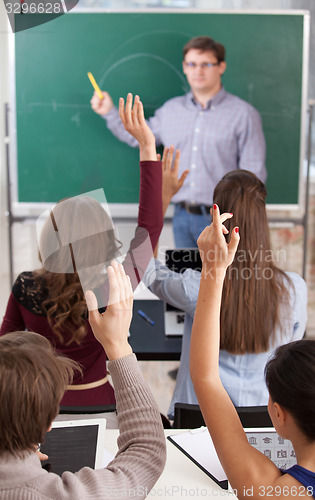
x: 204, y: 65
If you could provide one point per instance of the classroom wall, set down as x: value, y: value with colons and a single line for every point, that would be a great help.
x: 4, y: 97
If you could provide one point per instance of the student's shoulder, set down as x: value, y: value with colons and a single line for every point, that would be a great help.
x: 298, y: 283
x: 23, y: 282
x: 28, y: 289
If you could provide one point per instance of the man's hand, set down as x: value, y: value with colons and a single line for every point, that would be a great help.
x: 134, y: 122
x: 171, y: 183
x: 111, y: 328
x: 101, y: 106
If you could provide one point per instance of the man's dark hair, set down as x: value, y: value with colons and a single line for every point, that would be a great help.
x: 205, y: 44
x: 290, y: 376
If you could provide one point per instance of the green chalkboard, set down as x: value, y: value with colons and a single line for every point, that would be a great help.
x: 64, y: 149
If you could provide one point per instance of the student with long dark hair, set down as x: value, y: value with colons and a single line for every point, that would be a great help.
x: 289, y: 376
x: 50, y: 300
x: 262, y: 306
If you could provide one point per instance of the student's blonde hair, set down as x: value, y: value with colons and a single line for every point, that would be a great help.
x: 64, y: 303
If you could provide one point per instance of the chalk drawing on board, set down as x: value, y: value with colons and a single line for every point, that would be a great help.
x: 159, y: 34
x: 250, y: 93
x: 139, y: 55
x: 55, y: 105
x: 76, y: 119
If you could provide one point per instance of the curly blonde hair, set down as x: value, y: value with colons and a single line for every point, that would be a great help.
x: 77, y: 237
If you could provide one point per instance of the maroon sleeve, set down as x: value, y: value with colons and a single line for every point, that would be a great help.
x: 147, y: 233
x: 150, y: 216
x: 150, y: 221
x: 13, y: 319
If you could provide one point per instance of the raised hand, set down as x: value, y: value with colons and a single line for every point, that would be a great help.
x: 132, y: 117
x: 101, y: 106
x: 171, y: 183
x: 215, y: 252
x: 111, y: 328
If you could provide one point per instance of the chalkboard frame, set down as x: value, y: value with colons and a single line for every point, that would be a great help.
x: 123, y: 210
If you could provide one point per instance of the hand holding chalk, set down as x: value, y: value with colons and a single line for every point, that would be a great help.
x: 101, y: 102
x: 95, y: 86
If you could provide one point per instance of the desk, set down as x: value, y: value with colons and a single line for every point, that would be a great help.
x: 181, y: 478
x: 149, y: 342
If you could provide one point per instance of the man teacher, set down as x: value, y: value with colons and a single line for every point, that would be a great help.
x: 215, y: 131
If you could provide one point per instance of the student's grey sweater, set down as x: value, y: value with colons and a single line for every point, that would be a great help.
x: 133, y: 472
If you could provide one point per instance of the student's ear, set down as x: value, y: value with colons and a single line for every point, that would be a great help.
x: 280, y: 413
x: 49, y: 428
x: 222, y: 67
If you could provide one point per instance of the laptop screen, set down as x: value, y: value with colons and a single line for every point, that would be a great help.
x: 178, y: 260
x: 72, y: 445
x: 268, y: 442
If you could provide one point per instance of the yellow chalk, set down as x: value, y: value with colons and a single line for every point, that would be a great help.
x: 96, y: 87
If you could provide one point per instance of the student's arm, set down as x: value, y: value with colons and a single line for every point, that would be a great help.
x: 150, y: 216
x: 251, y: 145
x: 142, y: 450
x: 13, y: 319
x: 178, y: 289
x: 245, y: 466
x: 171, y: 184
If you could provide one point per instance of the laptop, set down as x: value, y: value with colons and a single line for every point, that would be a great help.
x: 279, y: 450
x: 178, y: 260
x: 73, y: 444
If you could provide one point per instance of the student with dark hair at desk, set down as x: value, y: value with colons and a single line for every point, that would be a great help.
x: 33, y: 379
x: 50, y: 300
x: 289, y: 376
x: 262, y: 306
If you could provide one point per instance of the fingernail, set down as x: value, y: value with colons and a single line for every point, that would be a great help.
x: 236, y: 229
x: 215, y: 206
x: 231, y: 213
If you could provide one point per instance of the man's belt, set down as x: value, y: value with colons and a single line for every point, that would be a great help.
x: 195, y: 209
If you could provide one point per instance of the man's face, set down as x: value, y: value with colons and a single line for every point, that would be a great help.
x: 199, y: 76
